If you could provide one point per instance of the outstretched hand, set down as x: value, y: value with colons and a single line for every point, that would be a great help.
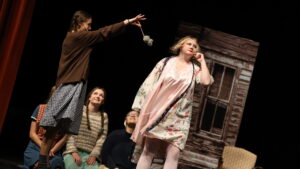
x: 135, y: 20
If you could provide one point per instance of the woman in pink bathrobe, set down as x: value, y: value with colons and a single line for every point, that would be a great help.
x: 165, y: 103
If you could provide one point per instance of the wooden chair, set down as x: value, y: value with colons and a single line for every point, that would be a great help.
x: 237, y: 158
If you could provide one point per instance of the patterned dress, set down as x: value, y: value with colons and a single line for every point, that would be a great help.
x: 165, y: 103
x: 64, y: 107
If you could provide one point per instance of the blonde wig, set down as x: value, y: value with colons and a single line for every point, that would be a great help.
x: 175, y: 49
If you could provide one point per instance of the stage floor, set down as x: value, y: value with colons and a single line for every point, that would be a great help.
x: 8, y: 162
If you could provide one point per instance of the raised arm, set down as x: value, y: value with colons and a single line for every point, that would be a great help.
x: 205, y: 77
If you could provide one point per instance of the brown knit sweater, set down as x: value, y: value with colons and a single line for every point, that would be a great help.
x: 76, y: 49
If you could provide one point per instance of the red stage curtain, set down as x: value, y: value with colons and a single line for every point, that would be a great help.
x: 15, y: 17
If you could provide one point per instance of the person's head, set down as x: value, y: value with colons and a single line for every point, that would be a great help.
x: 81, y: 21
x: 96, y: 97
x: 186, y: 44
x: 131, y: 118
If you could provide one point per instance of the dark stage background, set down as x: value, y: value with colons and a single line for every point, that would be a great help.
x: 269, y: 125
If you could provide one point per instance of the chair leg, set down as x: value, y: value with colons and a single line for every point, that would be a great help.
x: 220, y: 163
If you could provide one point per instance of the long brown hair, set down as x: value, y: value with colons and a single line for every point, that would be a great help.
x: 78, y: 18
x: 101, y: 110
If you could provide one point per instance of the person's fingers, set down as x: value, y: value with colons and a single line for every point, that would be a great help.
x: 140, y: 17
x: 90, y: 161
x: 78, y: 162
x: 137, y: 24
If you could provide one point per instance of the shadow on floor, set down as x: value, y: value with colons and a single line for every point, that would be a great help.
x: 8, y: 164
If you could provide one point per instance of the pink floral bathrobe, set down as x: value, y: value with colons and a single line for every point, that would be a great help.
x: 165, y: 102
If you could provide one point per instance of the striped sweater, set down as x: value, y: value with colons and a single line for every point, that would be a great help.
x: 90, y: 141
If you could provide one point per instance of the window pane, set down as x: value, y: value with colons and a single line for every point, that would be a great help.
x: 208, y: 115
x: 217, y: 74
x: 227, y: 83
x: 220, y: 116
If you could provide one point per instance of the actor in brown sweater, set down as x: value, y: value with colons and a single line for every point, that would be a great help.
x: 64, y: 109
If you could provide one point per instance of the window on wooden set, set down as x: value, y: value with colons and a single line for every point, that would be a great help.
x: 217, y: 100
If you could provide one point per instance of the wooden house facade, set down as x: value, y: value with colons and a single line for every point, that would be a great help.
x: 218, y: 109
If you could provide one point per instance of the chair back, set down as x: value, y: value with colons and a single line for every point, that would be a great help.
x: 237, y: 158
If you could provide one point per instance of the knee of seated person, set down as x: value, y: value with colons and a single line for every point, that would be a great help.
x: 57, y: 162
